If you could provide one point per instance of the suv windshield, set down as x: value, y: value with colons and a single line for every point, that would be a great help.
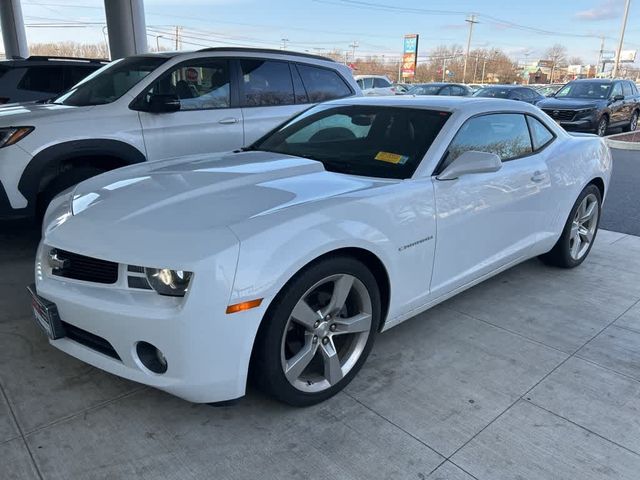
x: 372, y: 141
x: 110, y: 82
x: 585, y: 90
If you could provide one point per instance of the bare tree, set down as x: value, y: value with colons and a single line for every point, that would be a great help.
x: 576, y: 61
x: 557, y: 54
x: 70, y: 49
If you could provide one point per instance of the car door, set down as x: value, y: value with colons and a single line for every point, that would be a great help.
x: 382, y: 86
x: 629, y: 102
x: 267, y: 96
x: 209, y: 119
x: 616, y: 106
x: 488, y: 220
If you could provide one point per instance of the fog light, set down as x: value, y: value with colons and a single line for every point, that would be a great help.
x: 151, y: 357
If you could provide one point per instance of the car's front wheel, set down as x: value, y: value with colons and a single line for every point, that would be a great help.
x: 318, y: 332
x: 603, y: 126
x: 579, y: 232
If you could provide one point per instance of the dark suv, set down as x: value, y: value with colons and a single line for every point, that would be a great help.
x: 594, y: 105
x: 40, y: 78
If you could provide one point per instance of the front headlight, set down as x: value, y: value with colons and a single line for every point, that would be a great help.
x: 168, y: 282
x: 585, y: 112
x: 11, y: 135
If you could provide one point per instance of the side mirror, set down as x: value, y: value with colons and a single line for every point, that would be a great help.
x: 163, y: 103
x: 617, y: 98
x: 469, y: 162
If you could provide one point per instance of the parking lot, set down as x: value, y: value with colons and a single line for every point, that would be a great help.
x: 534, y: 374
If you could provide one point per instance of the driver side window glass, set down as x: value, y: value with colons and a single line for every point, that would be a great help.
x: 617, y: 89
x: 505, y: 134
x: 199, y: 85
x: 333, y: 128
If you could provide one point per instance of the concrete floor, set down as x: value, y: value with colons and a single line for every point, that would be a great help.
x: 534, y: 374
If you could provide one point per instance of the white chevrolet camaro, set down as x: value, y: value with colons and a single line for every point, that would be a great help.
x: 286, y: 259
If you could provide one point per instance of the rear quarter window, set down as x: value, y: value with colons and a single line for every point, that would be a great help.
x: 43, y: 79
x: 323, y: 84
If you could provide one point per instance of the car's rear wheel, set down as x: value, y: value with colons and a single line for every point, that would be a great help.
x: 579, y: 232
x: 319, y: 332
x: 633, y: 123
x: 603, y: 126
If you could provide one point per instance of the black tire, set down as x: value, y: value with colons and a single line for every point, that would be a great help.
x: 62, y: 182
x: 559, y: 255
x: 633, y: 123
x: 267, y: 370
x: 603, y: 126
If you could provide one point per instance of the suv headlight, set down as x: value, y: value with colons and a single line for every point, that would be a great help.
x: 585, y: 112
x: 168, y: 282
x: 11, y: 135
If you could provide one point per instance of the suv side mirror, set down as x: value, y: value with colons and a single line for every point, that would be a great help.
x: 470, y: 162
x: 617, y: 98
x: 163, y: 103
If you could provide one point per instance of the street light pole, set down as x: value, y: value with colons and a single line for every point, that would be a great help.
x: 624, y: 27
x: 471, y: 22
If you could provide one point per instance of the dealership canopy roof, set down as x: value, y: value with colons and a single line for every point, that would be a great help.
x: 125, y: 24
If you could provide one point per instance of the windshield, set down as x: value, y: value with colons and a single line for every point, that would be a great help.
x: 585, y: 90
x: 372, y: 141
x: 493, y: 93
x: 424, y: 90
x: 110, y: 82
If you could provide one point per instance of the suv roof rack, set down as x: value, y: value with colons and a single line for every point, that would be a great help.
x: 55, y: 57
x: 265, y: 50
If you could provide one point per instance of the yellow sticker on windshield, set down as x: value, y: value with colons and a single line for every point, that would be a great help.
x: 391, y: 157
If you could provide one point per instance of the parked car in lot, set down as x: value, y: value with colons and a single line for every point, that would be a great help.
x: 401, y: 88
x: 511, y: 92
x: 595, y: 105
x: 453, y: 89
x: 40, y: 77
x: 152, y: 107
x: 289, y: 256
x: 549, y: 90
x: 375, y: 85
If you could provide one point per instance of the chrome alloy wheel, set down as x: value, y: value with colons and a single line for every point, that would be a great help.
x: 583, y: 228
x: 634, y: 122
x: 326, y: 333
x: 603, y: 125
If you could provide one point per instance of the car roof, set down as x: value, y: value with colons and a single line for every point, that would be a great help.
x: 53, y: 60
x: 243, y: 50
x: 507, y: 87
x: 595, y: 80
x: 446, y: 103
x: 370, y: 76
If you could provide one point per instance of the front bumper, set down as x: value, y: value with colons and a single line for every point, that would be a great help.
x: 207, y: 351
x: 581, y: 125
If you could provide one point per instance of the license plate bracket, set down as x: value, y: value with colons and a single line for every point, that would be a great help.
x: 46, y: 315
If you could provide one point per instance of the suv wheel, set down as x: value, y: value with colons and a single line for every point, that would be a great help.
x: 62, y: 182
x: 603, y: 126
x: 633, y: 123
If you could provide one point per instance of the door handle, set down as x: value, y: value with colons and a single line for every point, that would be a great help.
x: 228, y: 121
x: 538, y: 176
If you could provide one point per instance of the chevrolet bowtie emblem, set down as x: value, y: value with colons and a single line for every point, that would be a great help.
x: 57, y: 263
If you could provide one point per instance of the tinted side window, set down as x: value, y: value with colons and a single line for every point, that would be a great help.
x: 266, y: 83
x: 540, y: 134
x: 323, y: 84
x: 381, y: 83
x: 457, y: 91
x: 43, y: 79
x: 75, y: 74
x: 617, y: 89
x: 626, y: 89
x: 505, y: 134
x: 445, y: 91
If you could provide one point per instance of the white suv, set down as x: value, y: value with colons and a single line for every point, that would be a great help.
x: 153, y: 107
x: 375, y: 85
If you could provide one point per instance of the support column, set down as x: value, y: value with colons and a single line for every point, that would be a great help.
x: 126, y: 27
x: 13, y: 33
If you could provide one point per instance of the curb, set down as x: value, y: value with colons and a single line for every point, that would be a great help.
x: 622, y: 145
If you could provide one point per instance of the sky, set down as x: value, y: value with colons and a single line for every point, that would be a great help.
x: 523, y: 29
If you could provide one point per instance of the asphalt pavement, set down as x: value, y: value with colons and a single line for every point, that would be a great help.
x: 621, y: 212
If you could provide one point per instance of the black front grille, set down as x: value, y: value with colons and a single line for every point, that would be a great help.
x: 79, y: 267
x: 90, y: 340
x: 560, y: 114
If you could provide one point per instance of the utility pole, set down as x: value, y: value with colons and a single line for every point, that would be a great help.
x: 484, y: 64
x: 475, y: 70
x: 600, y: 56
x: 624, y: 27
x: 178, y: 37
x: 284, y: 43
x: 353, y: 46
x: 471, y: 22
x: 444, y: 67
